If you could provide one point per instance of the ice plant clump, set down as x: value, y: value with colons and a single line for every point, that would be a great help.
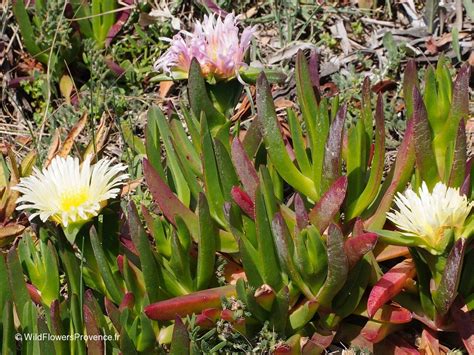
x: 68, y: 193
x: 429, y: 215
x: 214, y: 43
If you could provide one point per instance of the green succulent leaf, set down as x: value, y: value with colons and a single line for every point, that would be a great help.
x: 324, y: 212
x: 410, y: 81
x: 333, y: 149
x: 285, y: 249
x: 338, y: 267
x: 147, y: 260
x: 376, y: 172
x: 113, y: 288
x: 399, y: 176
x: 274, y: 142
x: 206, y: 245
x: 459, y: 160
x: 199, y: 98
x: 180, y: 343
x: 425, y: 158
x: 447, y: 290
x: 269, y: 265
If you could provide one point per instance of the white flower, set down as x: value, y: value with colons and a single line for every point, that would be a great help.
x: 429, y: 214
x: 215, y: 44
x: 69, y: 193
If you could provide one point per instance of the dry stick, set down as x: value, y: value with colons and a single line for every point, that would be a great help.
x: 130, y: 7
x: 48, y: 75
x: 458, y: 22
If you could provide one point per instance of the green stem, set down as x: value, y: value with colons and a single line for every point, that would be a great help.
x: 71, y: 267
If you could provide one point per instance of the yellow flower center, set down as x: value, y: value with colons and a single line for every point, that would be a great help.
x: 73, y: 198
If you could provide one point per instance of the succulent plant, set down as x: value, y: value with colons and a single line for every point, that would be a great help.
x: 260, y: 239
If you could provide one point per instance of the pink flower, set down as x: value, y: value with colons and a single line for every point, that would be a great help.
x: 214, y: 43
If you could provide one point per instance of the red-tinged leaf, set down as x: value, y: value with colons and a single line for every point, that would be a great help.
x: 429, y: 343
x: 314, y: 71
x: 332, y: 157
x: 384, y: 85
x: 466, y: 186
x: 180, y: 344
x: 391, y: 314
x: 114, y: 67
x: 323, y: 338
x: 212, y: 5
x: 410, y: 81
x: 56, y: 327
x: 401, y: 173
x: 192, y: 303
x: 227, y: 315
x: 356, y: 247
x: 212, y: 313
x: 302, y: 218
x: 425, y: 158
x: 358, y: 228
x: 375, y: 332
x: 121, y: 20
x: 244, y: 201
x: 390, y: 285
x: 244, y: 168
x: 264, y: 295
x: 128, y: 301
x: 338, y: 266
x: 94, y: 343
x: 113, y: 313
x: 120, y: 263
x: 128, y: 244
x: 447, y: 290
x: 458, y: 168
x: 283, y: 349
x: 464, y: 324
x: 329, y: 205
x: 385, y: 252
x: 93, y: 304
x: 208, y: 317
x: 169, y: 204
x: 460, y: 102
x: 34, y: 293
x: 401, y: 346
x: 203, y: 322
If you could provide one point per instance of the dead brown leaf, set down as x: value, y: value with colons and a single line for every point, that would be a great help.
x: 11, y: 230
x: 130, y: 186
x: 98, y: 141
x: 53, y: 148
x: 165, y: 87
x: 73, y: 134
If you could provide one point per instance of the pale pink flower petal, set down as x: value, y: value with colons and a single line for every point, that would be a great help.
x: 216, y: 45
